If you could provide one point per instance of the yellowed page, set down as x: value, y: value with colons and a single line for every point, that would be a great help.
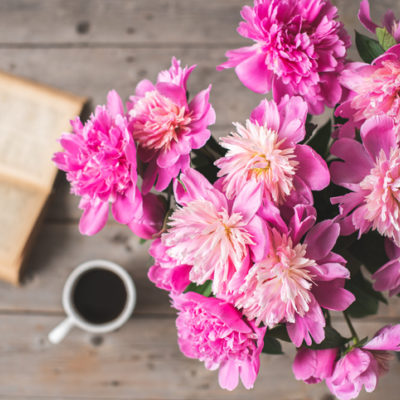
x: 32, y: 118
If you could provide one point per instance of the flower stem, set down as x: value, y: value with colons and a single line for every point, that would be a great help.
x: 351, y: 327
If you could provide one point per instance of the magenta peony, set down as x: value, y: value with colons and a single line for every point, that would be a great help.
x: 167, y: 127
x: 213, y: 331
x: 165, y: 273
x: 299, y: 49
x: 371, y: 171
x: 266, y: 151
x: 363, y: 366
x: 150, y: 223
x: 100, y: 161
x: 313, y: 366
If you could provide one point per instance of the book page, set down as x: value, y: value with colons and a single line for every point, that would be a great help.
x: 32, y: 118
x: 20, y: 208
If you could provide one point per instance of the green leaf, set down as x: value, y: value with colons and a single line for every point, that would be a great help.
x: 332, y: 339
x: 368, y: 48
x: 279, y: 332
x: 370, y: 250
x: 205, y: 289
x: 386, y: 40
x: 367, y: 299
x: 212, y: 142
x: 142, y: 241
x: 320, y: 140
x: 272, y: 346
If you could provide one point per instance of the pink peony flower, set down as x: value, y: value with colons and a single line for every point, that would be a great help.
x: 313, y: 366
x: 371, y: 172
x: 387, y: 277
x: 299, y: 49
x: 165, y: 273
x: 214, y: 332
x: 389, y: 22
x: 211, y: 233
x: 166, y: 127
x: 266, y: 151
x: 374, y: 91
x: 149, y: 225
x: 100, y: 161
x: 363, y: 366
x: 295, y: 278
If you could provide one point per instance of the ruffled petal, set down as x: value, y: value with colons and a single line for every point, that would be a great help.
x: 312, y: 168
x: 94, y: 218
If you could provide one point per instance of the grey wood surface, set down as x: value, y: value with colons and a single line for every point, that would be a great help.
x: 88, y: 47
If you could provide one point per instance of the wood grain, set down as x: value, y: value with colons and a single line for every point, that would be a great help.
x: 119, y: 22
x: 93, y: 72
x: 140, y: 361
x: 60, y: 248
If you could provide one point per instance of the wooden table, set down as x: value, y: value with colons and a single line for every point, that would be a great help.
x: 88, y: 47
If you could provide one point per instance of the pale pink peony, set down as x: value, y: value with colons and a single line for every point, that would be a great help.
x: 165, y: 273
x: 387, y: 277
x: 313, y: 366
x: 266, y: 151
x: 213, y: 331
x: 100, y: 161
x: 389, y: 21
x: 363, y: 366
x: 166, y: 127
x: 299, y: 49
x: 213, y: 234
x: 371, y: 171
x: 296, y: 277
x: 374, y: 91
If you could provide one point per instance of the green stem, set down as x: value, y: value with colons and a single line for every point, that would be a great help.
x: 351, y: 327
x: 169, y: 193
x: 328, y: 317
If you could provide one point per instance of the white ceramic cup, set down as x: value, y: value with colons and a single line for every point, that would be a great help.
x: 75, y: 319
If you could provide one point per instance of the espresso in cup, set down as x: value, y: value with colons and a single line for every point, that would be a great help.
x: 99, y: 296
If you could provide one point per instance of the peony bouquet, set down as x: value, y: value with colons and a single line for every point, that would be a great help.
x: 260, y: 236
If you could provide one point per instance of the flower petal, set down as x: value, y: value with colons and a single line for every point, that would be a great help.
x: 377, y: 134
x: 312, y: 168
x: 94, y: 218
x: 321, y: 239
x: 254, y: 73
x: 266, y: 114
x: 387, y: 338
x: 364, y: 17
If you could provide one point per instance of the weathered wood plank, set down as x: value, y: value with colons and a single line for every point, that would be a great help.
x: 60, y: 248
x: 130, y: 22
x: 93, y: 72
x: 140, y: 361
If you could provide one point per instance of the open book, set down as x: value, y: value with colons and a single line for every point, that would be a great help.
x: 32, y: 118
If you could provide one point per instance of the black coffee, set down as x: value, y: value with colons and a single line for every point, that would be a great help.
x: 99, y: 296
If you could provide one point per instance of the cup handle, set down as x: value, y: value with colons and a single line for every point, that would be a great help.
x: 61, y: 330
